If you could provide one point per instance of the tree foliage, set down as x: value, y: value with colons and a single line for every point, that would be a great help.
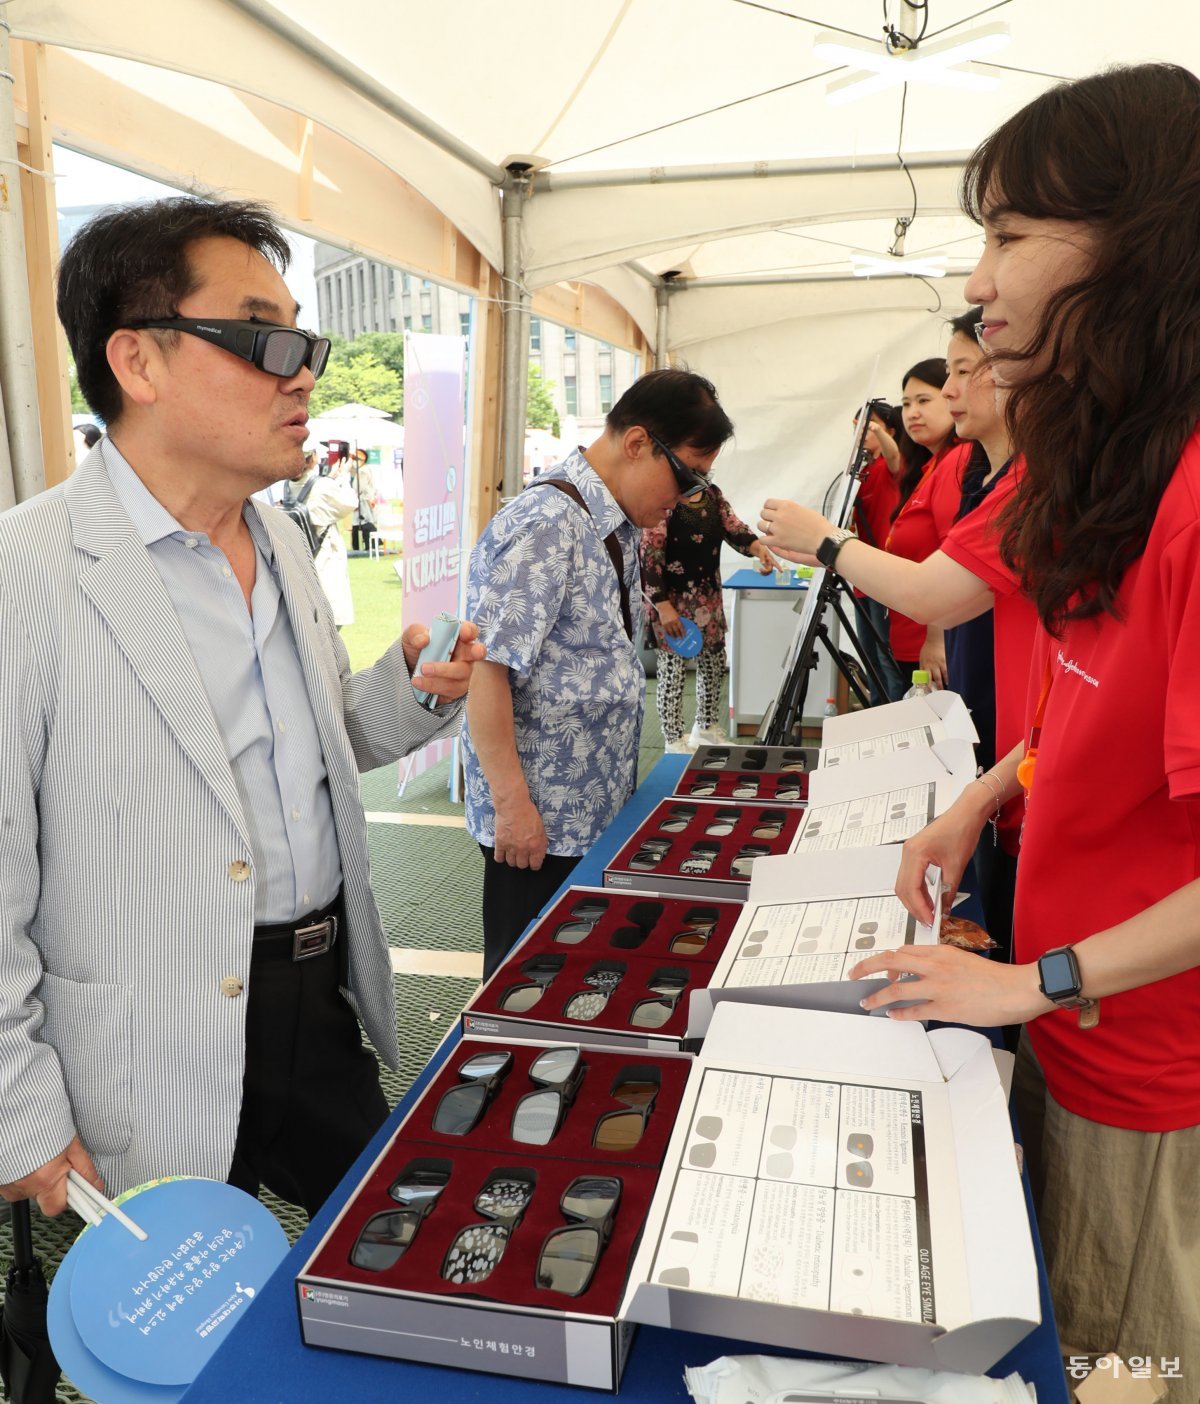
x: 368, y: 371
x: 540, y: 412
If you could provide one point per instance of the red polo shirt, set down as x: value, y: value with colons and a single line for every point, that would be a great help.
x: 1113, y: 822
x: 918, y: 531
x: 974, y: 543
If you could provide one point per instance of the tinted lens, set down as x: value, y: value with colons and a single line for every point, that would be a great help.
x: 568, y: 1259
x: 570, y: 933
x: 473, y: 1255
x: 419, y: 1189
x: 319, y: 356
x: 688, y: 943
x: 619, y: 1131
x: 652, y: 1013
x: 383, y: 1240
x: 521, y: 997
x: 485, y: 1065
x: 635, y: 1092
x: 592, y: 1196
x: 554, y: 1066
x: 703, y: 918
x: 460, y: 1109
x: 590, y: 909
x: 536, y: 1117
x: 284, y: 352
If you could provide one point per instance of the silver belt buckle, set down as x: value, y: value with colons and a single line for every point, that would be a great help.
x: 315, y: 940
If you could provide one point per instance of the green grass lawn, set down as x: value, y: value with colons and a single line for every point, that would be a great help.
x: 376, y: 589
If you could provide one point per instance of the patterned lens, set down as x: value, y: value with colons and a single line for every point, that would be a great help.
x: 476, y: 1250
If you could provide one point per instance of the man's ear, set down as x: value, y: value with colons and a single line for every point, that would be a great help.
x: 136, y: 361
x: 634, y: 442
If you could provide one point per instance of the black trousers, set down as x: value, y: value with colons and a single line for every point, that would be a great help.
x: 365, y: 530
x: 512, y: 897
x: 311, y: 1098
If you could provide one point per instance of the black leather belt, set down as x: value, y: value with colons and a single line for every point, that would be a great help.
x: 309, y: 936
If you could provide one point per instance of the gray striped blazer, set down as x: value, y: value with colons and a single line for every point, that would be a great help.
x: 121, y: 835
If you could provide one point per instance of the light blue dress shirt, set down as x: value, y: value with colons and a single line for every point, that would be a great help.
x: 249, y: 666
x: 544, y: 593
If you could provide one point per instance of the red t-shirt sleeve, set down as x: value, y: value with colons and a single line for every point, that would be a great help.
x: 974, y: 542
x: 1179, y: 577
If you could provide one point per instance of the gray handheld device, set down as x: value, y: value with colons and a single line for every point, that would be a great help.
x: 443, y: 635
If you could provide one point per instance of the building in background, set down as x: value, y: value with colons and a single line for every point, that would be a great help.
x: 357, y: 295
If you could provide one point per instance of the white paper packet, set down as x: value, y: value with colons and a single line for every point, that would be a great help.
x: 770, y: 1379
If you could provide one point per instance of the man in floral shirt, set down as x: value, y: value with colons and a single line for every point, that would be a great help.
x: 554, y: 716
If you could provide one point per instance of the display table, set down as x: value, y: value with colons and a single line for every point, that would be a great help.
x: 263, y: 1360
x: 762, y: 625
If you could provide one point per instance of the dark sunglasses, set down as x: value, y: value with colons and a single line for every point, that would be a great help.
x: 461, y: 1107
x: 386, y: 1237
x: 276, y: 349
x: 569, y: 1255
x: 635, y: 1088
x: 689, y: 479
x: 557, y: 1074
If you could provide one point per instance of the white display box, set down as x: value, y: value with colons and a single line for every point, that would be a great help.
x: 842, y: 1185
x: 895, y: 727
x: 343, y: 1308
x: 885, y: 799
x: 810, y: 918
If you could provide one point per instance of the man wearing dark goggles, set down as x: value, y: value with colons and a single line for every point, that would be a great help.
x: 690, y: 480
x: 182, y: 620
x: 278, y: 350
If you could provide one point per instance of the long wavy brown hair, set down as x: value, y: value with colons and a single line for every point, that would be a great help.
x: 1116, y: 392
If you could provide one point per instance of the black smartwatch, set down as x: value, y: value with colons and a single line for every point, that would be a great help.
x: 827, y: 551
x: 1059, y: 978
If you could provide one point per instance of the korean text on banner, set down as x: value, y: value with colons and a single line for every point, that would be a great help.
x: 434, y: 420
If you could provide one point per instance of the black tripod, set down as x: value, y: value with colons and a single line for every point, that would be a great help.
x: 781, y: 725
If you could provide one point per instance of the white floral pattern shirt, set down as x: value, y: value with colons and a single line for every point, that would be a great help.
x: 543, y: 591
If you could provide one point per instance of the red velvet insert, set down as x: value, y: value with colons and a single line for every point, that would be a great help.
x: 615, y: 1016
x: 729, y: 847
x: 488, y: 1149
x: 733, y: 769
x: 725, y: 782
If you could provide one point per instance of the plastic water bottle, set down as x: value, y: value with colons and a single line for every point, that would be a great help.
x: 921, y: 686
x: 831, y: 707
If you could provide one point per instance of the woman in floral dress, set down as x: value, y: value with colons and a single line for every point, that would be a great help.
x: 680, y: 574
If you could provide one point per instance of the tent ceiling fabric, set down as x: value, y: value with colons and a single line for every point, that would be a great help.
x: 625, y: 107
x: 586, y: 86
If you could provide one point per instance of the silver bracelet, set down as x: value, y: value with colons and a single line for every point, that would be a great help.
x: 997, y: 793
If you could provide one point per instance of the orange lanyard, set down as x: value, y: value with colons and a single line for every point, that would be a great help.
x: 1029, y: 762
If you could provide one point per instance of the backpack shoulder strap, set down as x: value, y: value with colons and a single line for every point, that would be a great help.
x: 611, y: 545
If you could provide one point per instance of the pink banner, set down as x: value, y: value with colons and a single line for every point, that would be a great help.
x: 434, y: 422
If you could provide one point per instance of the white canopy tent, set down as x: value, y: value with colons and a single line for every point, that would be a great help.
x: 682, y: 137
